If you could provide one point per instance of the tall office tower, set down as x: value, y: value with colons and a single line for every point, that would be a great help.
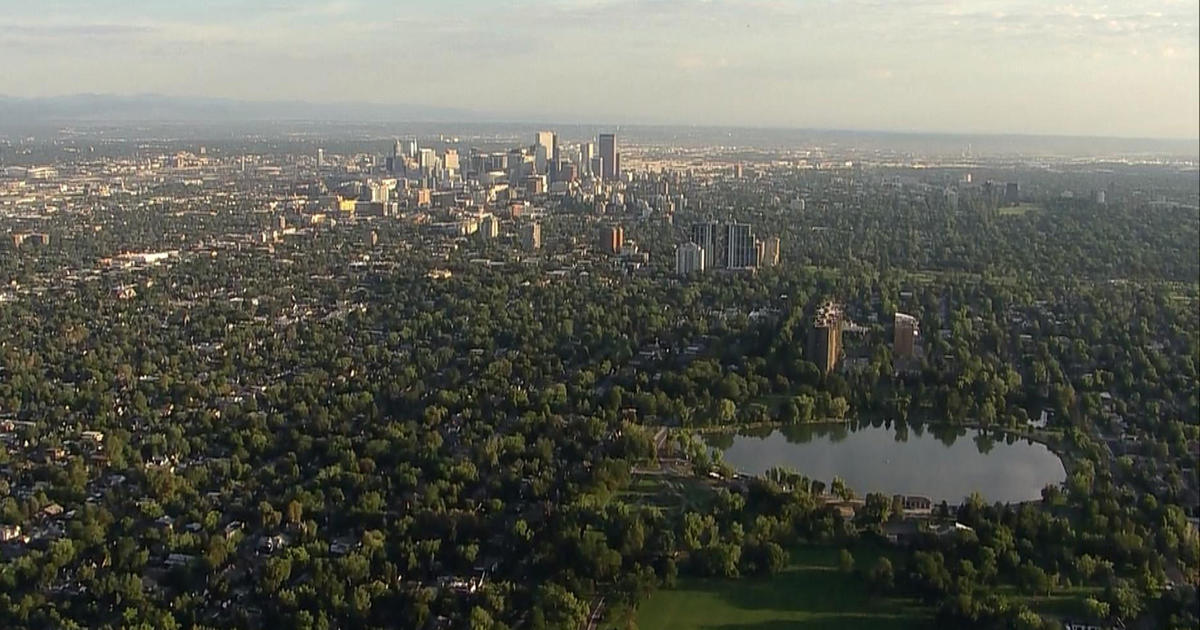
x: 397, y: 149
x: 738, y: 171
x: 545, y: 150
x: 427, y: 160
x: 739, y: 244
x: 587, y: 152
x: 320, y: 157
x: 689, y: 258
x: 825, y: 338
x: 450, y: 161
x: 490, y: 226
x: 567, y: 172
x: 708, y: 237
x: 409, y: 148
x: 906, y: 331
x: 608, y: 157
x: 612, y: 238
x: 531, y: 236
x: 1012, y: 193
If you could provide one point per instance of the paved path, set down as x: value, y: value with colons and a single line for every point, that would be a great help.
x: 596, y: 614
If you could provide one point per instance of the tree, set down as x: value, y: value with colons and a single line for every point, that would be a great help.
x: 881, y: 576
x: 775, y: 558
x: 875, y: 511
x: 845, y: 561
x: 480, y: 619
x: 1097, y: 610
x: 276, y: 571
x: 726, y: 411
x: 1033, y: 579
x: 295, y: 512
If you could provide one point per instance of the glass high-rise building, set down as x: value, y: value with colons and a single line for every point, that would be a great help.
x: 739, y: 246
x: 610, y: 160
x: 708, y: 237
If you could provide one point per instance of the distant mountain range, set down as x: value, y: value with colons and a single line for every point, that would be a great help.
x: 159, y: 108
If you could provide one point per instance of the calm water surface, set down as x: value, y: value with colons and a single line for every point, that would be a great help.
x: 942, y: 463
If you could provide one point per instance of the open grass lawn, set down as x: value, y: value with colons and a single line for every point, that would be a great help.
x: 1060, y: 603
x: 810, y: 595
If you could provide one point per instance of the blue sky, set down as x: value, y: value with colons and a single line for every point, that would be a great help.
x: 1081, y: 67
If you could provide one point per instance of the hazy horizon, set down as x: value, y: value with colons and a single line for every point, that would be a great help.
x: 982, y: 67
x: 249, y: 111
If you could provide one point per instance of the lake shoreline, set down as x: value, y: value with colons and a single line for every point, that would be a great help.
x: 830, y: 455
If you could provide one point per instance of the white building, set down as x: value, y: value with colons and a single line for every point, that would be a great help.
x: 689, y: 258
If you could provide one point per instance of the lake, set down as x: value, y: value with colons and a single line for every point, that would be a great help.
x: 940, y: 462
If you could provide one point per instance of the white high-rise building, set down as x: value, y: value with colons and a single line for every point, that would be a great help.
x: 689, y: 258
x: 545, y: 150
x: 587, y: 153
x: 427, y: 160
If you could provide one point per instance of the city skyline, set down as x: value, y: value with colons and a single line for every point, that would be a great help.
x: 979, y: 67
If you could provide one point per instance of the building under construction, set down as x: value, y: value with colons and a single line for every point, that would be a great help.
x: 825, y: 337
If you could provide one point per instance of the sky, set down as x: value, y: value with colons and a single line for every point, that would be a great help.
x: 1082, y: 67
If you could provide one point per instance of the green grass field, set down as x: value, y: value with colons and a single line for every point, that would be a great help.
x: 668, y: 492
x: 810, y: 595
x: 1060, y: 603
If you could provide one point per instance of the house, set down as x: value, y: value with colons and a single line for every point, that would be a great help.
x: 1078, y: 625
x: 271, y: 544
x: 914, y: 504
x: 948, y: 529
x: 845, y: 509
x: 232, y: 528
x: 903, y: 532
x: 340, y: 547
x: 9, y: 532
x: 179, y: 560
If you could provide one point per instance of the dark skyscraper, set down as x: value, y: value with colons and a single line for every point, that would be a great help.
x: 709, y: 237
x: 1012, y: 193
x: 610, y: 160
x: 740, y: 249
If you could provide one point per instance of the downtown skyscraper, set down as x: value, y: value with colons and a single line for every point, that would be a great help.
x: 610, y: 160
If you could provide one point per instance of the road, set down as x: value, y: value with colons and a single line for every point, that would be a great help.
x: 596, y: 614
